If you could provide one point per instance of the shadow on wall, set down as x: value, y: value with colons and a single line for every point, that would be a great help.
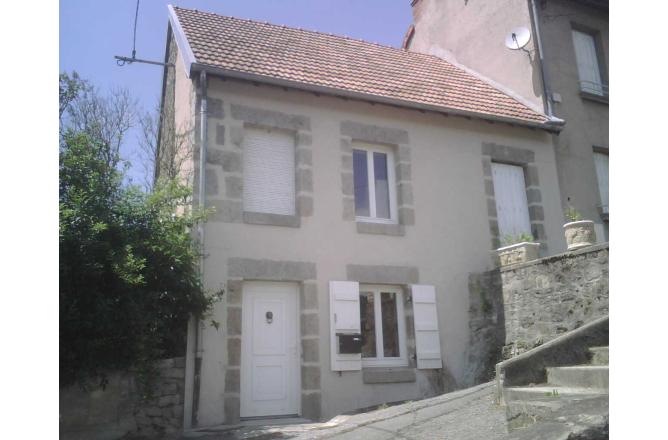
x: 119, y: 411
x: 486, y: 326
x: 520, y: 307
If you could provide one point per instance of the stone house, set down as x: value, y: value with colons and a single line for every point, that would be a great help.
x: 355, y: 187
x: 562, y: 69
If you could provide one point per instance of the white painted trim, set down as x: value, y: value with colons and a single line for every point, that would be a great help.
x: 380, y: 360
x: 187, y: 54
x: 350, y: 291
x: 517, y: 245
x: 290, y: 292
x: 391, y: 182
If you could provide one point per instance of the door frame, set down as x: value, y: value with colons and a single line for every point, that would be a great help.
x: 249, y: 288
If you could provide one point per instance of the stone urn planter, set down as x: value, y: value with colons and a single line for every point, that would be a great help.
x: 517, y: 253
x: 579, y: 234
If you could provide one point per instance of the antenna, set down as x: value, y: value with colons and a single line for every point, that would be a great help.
x: 518, y: 38
x: 122, y: 61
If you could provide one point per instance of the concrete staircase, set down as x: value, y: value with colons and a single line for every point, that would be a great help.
x: 578, y: 391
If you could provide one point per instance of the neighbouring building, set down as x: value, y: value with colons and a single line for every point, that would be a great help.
x: 355, y: 187
x: 570, y: 82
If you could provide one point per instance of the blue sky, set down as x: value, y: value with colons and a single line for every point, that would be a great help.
x: 92, y: 32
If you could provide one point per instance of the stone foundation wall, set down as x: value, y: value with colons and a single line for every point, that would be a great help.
x: 517, y: 308
x: 119, y: 410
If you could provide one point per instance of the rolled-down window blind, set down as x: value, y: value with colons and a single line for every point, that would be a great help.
x: 269, y: 171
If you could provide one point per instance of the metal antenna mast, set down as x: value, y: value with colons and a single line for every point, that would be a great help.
x: 122, y: 61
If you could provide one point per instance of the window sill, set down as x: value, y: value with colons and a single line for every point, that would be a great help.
x: 263, y: 218
x: 602, y: 99
x: 380, y: 228
x: 388, y: 375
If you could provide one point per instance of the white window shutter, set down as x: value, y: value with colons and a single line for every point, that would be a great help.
x: 512, y: 210
x: 427, y: 338
x: 587, y: 61
x: 269, y: 171
x: 344, y: 317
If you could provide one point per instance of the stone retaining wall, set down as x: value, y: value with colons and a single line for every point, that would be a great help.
x: 517, y: 308
x: 119, y: 410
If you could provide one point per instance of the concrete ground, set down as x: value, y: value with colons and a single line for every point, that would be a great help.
x: 462, y: 415
x: 468, y: 414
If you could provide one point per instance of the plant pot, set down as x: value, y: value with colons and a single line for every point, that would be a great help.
x: 579, y: 234
x: 518, y: 253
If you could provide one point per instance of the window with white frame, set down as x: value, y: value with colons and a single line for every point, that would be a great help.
x: 512, y: 209
x: 374, y: 183
x: 589, y: 66
x: 382, y: 326
x: 269, y: 171
x: 601, y: 165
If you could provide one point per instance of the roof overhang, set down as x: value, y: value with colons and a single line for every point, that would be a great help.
x: 187, y: 55
x: 554, y: 126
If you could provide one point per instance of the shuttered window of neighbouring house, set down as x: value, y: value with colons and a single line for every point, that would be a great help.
x: 269, y: 171
x: 601, y: 164
x: 588, y: 63
x: 512, y: 210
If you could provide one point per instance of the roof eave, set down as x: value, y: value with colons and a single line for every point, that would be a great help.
x: 187, y: 55
x: 553, y: 126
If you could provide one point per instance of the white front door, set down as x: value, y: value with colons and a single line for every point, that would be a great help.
x: 270, y: 375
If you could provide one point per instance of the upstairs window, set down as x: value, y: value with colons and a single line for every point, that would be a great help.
x: 511, y: 200
x: 588, y: 62
x: 374, y: 183
x: 269, y: 171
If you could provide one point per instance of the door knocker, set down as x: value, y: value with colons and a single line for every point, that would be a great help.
x: 270, y: 317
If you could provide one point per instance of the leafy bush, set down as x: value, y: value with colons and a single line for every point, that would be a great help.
x: 519, y: 238
x: 129, y: 277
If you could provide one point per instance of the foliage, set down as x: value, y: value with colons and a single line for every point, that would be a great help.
x: 175, y: 152
x: 129, y: 277
x: 572, y: 215
x: 523, y: 237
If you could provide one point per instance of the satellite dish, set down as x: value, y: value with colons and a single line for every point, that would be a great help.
x: 518, y: 38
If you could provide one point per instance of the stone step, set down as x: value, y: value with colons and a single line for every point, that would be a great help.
x: 581, y: 376
x: 564, y: 418
x: 521, y: 413
x: 546, y: 391
x: 599, y: 355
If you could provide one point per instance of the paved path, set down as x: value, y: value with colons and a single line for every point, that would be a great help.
x: 468, y: 414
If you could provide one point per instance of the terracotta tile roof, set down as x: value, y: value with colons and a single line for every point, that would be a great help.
x: 346, y: 65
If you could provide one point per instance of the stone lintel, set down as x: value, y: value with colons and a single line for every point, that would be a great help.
x: 373, y: 133
x: 270, y: 118
x: 382, y: 274
x: 503, y: 153
x: 271, y: 270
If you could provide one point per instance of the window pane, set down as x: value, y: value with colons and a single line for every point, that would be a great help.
x: 368, y: 324
x: 601, y: 163
x: 361, y: 180
x: 388, y: 307
x: 382, y: 185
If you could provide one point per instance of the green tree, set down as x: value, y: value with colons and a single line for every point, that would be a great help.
x: 129, y: 277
